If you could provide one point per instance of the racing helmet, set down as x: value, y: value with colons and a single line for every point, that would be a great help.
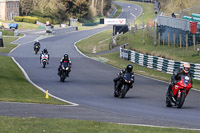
x: 186, y: 67
x: 129, y: 68
x: 37, y: 40
x: 45, y: 50
x: 65, y: 56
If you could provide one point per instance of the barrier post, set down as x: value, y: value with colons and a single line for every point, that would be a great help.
x: 180, y: 41
x: 159, y: 39
x: 163, y: 38
x: 194, y: 41
x: 174, y: 40
x: 168, y: 38
x: 186, y: 41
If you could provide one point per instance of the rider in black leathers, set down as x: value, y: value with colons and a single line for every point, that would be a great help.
x: 176, y: 77
x: 128, y: 69
x: 44, y: 51
x: 37, y: 43
x: 67, y: 60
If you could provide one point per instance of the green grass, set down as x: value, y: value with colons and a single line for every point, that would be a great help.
x: 15, y: 88
x: 39, y: 125
x: 23, y: 25
x: 7, y: 33
x: 7, y: 46
x: 169, y: 52
x: 118, y: 12
x: 148, y: 11
x: 100, y: 42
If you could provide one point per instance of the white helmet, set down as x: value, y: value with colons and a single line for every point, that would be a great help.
x: 186, y: 67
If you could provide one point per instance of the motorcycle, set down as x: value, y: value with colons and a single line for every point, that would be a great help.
x: 180, y: 90
x: 44, y: 60
x: 64, y: 72
x: 123, y: 85
x: 36, y: 49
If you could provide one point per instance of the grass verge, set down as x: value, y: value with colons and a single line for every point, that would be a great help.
x: 169, y: 52
x: 97, y: 43
x: 7, y: 46
x: 38, y: 125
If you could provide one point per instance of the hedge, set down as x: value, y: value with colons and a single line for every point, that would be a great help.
x: 18, y: 19
x: 33, y: 20
x: 30, y: 19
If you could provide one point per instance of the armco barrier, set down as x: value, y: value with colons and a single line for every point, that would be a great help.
x: 158, y: 63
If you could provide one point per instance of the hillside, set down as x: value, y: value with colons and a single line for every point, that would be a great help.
x: 169, y: 6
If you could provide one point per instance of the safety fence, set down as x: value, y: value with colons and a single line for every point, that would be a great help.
x: 158, y: 63
x: 174, y: 23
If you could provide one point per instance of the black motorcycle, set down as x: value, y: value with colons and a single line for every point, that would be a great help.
x: 123, y: 85
x: 64, y: 72
x: 36, y: 49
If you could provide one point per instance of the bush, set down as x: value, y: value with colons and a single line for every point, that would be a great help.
x: 29, y: 19
x: 56, y: 21
x: 18, y: 19
x: 43, y: 20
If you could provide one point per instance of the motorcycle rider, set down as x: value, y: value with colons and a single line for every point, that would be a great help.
x: 37, y: 43
x: 128, y: 69
x: 176, y: 77
x: 65, y: 59
x: 44, y: 51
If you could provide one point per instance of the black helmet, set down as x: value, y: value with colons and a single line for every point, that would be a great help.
x: 66, y: 57
x: 129, y: 68
x: 45, y: 50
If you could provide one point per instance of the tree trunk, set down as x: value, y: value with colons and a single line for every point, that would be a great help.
x: 102, y: 3
x: 92, y: 5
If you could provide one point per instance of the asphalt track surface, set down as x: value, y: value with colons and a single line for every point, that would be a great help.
x: 91, y: 86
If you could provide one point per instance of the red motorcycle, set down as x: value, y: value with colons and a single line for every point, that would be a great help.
x: 179, y: 92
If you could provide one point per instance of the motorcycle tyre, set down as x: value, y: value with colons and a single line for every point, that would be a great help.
x: 44, y: 64
x: 168, y: 102
x: 182, y: 100
x: 124, y: 91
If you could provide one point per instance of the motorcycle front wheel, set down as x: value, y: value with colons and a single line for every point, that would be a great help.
x: 181, y: 100
x: 44, y: 64
x: 62, y: 77
x: 124, y: 90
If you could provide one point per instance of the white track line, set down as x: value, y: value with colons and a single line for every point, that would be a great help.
x: 128, y: 124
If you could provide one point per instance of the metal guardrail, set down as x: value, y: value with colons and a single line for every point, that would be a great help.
x: 174, y: 23
x: 158, y: 63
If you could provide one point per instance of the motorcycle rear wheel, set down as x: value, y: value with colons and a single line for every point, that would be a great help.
x: 116, y: 93
x: 168, y: 102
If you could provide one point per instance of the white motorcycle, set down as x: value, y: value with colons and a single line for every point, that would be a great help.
x: 44, y: 60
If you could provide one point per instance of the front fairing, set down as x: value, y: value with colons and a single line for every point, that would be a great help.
x: 65, y: 66
x: 184, y: 83
x: 128, y: 78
